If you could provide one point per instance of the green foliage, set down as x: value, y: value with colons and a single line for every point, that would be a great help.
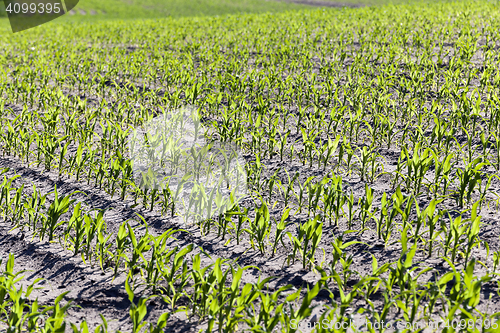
x: 320, y: 102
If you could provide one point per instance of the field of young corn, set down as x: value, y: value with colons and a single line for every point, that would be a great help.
x: 371, y: 140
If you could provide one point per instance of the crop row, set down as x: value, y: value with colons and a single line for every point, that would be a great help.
x: 174, y: 275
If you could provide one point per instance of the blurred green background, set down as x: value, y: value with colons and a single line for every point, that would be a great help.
x: 125, y: 9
